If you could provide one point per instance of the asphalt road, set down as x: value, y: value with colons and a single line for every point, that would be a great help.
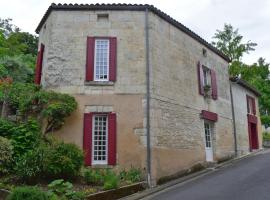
x: 247, y: 179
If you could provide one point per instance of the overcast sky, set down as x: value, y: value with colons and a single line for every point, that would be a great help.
x: 252, y: 17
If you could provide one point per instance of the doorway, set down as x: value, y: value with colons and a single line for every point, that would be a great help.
x: 208, y: 142
x: 253, y: 136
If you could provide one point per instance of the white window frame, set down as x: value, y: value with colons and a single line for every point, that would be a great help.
x: 207, y: 79
x: 108, y: 60
x: 210, y: 135
x: 99, y: 162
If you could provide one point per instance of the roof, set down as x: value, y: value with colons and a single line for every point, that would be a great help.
x: 130, y: 7
x: 245, y: 85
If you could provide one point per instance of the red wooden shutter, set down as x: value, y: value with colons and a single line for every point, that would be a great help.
x: 248, y: 108
x: 39, y: 64
x: 200, y: 79
x: 112, y: 139
x: 87, y: 138
x: 253, y: 106
x: 112, y: 58
x: 90, y: 54
x: 214, y: 85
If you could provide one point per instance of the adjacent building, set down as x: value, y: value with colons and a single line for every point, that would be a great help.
x: 151, y: 93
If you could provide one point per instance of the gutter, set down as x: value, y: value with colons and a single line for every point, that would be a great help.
x: 148, y: 142
x: 233, y: 118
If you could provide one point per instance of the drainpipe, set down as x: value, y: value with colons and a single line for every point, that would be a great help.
x: 233, y: 118
x: 148, y: 143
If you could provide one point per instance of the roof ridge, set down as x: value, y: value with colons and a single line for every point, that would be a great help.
x: 131, y: 7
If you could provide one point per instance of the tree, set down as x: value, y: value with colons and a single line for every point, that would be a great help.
x: 17, y: 52
x: 229, y: 41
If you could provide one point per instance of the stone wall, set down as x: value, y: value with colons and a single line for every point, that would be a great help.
x: 64, y: 35
x: 177, y: 131
x: 240, y: 106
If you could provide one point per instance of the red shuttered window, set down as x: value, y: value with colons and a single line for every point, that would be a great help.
x: 100, y: 138
x: 101, y: 59
x: 38, y: 71
x: 251, y: 105
x: 207, y: 80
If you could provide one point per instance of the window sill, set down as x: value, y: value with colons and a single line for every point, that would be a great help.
x: 101, y: 166
x: 99, y: 83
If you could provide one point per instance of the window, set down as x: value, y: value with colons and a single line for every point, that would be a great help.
x: 207, y: 82
x: 207, y: 131
x: 101, y: 60
x: 99, y: 139
x: 206, y: 76
x: 251, y: 106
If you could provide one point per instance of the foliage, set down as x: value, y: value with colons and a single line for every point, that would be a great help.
x: 64, y: 190
x: 62, y: 160
x: 94, y: 176
x: 28, y: 193
x: 6, y: 128
x: 25, y: 137
x: 30, y: 165
x: 32, y: 101
x: 133, y: 175
x: 17, y: 52
x: 111, y: 181
x: 19, y: 68
x: 266, y: 136
x: 6, y: 151
x: 229, y: 41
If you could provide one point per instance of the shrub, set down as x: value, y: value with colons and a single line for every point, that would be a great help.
x: 111, y: 181
x: 6, y: 152
x: 25, y: 137
x: 62, y: 160
x: 133, y: 175
x: 95, y: 177
x: 266, y: 136
x: 30, y: 165
x: 28, y: 193
x: 6, y: 128
x: 64, y: 190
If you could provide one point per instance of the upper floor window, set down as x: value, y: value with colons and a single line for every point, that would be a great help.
x: 101, y: 68
x: 207, y: 82
x: 206, y: 77
x: 251, y: 105
x: 101, y: 59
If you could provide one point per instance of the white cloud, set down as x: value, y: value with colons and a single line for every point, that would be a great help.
x: 252, y: 17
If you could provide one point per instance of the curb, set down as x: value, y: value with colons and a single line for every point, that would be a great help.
x: 190, y: 177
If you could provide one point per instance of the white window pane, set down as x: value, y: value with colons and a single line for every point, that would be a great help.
x: 99, y: 139
x: 101, y: 59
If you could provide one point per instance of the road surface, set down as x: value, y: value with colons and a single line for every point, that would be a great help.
x: 247, y: 179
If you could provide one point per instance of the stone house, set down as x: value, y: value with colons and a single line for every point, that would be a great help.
x: 151, y: 93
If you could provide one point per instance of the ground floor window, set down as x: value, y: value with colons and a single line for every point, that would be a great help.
x: 100, y: 139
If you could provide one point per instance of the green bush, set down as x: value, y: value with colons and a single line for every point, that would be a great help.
x: 30, y: 165
x: 62, y: 160
x: 94, y: 176
x: 25, y: 137
x: 266, y: 136
x: 28, y: 193
x: 64, y: 190
x: 6, y: 128
x: 6, y: 151
x: 111, y: 181
x: 133, y: 175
